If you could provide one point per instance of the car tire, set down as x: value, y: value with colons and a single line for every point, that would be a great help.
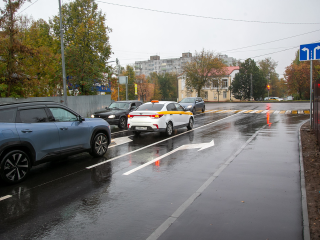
x: 194, y: 111
x: 15, y: 166
x: 122, y: 123
x: 169, y: 129
x: 136, y: 133
x: 100, y: 145
x: 203, y: 109
x: 190, y: 124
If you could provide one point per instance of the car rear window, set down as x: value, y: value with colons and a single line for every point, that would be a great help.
x: 151, y: 107
x: 8, y: 115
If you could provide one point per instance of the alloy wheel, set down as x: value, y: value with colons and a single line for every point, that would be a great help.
x: 101, y: 144
x: 15, y: 166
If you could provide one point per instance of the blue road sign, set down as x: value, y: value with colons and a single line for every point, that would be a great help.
x: 309, y: 52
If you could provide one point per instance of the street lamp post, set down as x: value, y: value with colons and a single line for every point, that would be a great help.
x: 62, y: 56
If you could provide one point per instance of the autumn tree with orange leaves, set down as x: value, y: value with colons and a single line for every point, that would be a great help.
x: 297, y: 76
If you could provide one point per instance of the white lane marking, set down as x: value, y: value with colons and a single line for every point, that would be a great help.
x: 187, y: 146
x: 139, y: 149
x: 167, y: 223
x: 265, y: 111
x: 276, y: 112
x: 288, y: 112
x: 120, y: 140
x: 300, y: 112
x: 5, y: 197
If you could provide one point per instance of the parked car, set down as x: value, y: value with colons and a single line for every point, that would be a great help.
x: 160, y: 116
x: 193, y: 104
x: 36, y: 132
x: 117, y: 112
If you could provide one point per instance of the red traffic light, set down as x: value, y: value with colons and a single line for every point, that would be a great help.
x: 268, y: 86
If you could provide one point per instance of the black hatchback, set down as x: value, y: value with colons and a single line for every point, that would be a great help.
x: 117, y: 112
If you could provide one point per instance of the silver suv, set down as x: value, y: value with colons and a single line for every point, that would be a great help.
x: 35, y: 132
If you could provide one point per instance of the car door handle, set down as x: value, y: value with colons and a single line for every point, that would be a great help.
x: 26, y: 131
x: 64, y: 128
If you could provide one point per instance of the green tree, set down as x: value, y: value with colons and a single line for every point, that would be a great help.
x: 268, y: 68
x: 167, y: 83
x: 241, y: 85
x: 204, y: 67
x: 86, y: 43
x: 12, y: 50
x: 44, y: 66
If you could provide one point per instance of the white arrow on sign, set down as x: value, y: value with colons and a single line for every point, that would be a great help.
x: 315, y: 51
x: 202, y: 146
x: 306, y: 49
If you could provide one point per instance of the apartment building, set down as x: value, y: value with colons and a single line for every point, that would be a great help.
x: 155, y: 64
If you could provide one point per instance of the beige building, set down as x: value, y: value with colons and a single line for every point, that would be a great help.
x: 210, y: 92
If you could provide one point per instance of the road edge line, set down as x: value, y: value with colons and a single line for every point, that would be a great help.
x: 305, y: 216
x: 5, y: 197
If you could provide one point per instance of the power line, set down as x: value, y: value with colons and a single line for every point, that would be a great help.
x: 27, y: 7
x: 272, y: 41
x: 198, y: 16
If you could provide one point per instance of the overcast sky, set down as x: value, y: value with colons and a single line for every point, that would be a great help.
x: 137, y: 34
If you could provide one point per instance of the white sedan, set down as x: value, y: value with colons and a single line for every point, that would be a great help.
x: 159, y: 116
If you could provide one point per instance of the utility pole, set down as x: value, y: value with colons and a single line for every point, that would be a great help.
x: 251, y: 87
x: 62, y: 56
x: 117, y: 62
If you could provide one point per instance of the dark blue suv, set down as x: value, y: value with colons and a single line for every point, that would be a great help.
x: 35, y: 132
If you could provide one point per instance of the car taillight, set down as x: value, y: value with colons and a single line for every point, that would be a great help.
x: 156, y: 116
x: 130, y: 116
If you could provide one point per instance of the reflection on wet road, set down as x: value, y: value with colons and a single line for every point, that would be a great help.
x: 65, y: 200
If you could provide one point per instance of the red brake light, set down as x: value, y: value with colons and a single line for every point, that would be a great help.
x: 156, y: 116
x: 130, y: 116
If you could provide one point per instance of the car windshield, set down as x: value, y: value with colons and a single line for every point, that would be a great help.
x: 119, y: 105
x: 151, y: 107
x: 187, y: 100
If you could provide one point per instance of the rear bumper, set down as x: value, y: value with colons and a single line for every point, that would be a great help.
x: 149, y: 129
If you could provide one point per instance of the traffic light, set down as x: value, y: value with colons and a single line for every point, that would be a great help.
x: 268, y: 87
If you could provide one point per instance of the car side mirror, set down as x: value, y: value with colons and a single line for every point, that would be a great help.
x: 81, y: 119
x: 133, y: 108
x: 107, y: 108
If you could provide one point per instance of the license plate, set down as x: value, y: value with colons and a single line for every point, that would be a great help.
x: 141, y: 128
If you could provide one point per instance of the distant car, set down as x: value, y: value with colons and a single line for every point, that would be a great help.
x: 37, y: 132
x: 193, y: 104
x: 117, y: 112
x: 275, y: 99
x: 159, y: 116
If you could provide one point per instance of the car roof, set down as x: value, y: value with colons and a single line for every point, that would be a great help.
x: 32, y: 103
x: 162, y: 102
x: 128, y: 101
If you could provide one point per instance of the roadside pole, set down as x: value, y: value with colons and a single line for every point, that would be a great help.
x: 311, y: 93
x: 308, y: 52
x: 62, y: 56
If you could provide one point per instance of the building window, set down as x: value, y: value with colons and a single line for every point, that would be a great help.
x: 224, y: 94
x: 206, y: 95
x: 189, y: 94
x: 225, y: 83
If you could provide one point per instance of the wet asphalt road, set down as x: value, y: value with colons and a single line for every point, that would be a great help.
x: 246, y: 186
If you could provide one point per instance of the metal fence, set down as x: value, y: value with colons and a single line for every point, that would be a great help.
x: 84, y: 105
x: 316, y: 108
